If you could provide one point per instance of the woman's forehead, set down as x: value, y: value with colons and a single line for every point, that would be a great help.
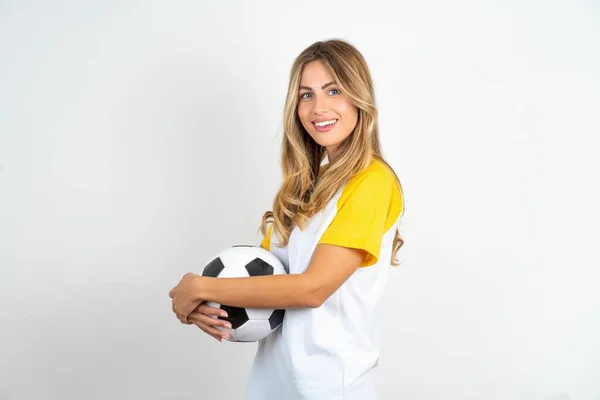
x: 315, y: 75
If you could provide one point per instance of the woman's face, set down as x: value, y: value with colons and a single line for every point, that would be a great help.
x: 319, y: 101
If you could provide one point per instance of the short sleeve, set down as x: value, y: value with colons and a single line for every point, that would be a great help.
x: 266, y: 241
x: 362, y: 212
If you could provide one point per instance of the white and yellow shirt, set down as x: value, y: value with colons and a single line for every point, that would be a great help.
x: 326, y: 353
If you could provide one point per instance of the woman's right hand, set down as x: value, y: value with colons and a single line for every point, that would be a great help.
x: 202, y: 318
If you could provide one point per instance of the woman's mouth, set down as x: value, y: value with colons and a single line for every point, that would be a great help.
x: 325, y: 125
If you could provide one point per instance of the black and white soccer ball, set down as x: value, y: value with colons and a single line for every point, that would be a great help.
x: 247, y: 324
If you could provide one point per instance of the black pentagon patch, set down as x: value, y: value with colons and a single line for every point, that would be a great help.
x: 213, y: 268
x: 235, y: 316
x: 276, y: 318
x: 259, y: 267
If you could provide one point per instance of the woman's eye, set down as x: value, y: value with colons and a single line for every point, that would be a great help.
x: 308, y: 95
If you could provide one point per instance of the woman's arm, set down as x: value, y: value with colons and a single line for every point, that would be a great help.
x: 329, y: 268
x: 272, y: 291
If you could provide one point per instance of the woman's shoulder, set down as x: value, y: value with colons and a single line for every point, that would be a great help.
x: 378, y: 170
x: 378, y: 177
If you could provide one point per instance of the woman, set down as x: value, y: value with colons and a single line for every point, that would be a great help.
x: 334, y: 225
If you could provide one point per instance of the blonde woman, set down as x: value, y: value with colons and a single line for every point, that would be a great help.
x: 335, y: 226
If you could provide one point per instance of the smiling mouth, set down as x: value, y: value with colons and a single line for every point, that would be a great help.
x: 329, y: 122
x: 325, y: 128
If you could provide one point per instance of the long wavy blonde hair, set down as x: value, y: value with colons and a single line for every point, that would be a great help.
x: 307, y: 187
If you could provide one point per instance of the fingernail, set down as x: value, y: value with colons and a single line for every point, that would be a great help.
x: 226, y: 336
x: 223, y: 314
x: 227, y: 325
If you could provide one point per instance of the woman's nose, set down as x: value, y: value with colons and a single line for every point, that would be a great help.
x: 321, y: 104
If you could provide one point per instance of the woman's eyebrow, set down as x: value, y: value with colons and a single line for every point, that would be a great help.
x: 322, y: 87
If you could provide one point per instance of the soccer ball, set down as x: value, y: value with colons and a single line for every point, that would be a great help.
x: 247, y: 324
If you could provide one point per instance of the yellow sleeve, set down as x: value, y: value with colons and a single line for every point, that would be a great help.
x: 363, y: 216
x: 266, y: 241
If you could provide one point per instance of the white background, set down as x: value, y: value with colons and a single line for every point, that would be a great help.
x: 137, y: 139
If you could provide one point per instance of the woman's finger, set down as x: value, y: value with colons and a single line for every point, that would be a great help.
x: 208, y: 310
x: 208, y: 320
x: 202, y: 328
x: 177, y: 315
x: 214, y: 332
x: 217, y: 337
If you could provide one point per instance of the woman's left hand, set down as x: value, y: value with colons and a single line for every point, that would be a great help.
x: 185, y: 297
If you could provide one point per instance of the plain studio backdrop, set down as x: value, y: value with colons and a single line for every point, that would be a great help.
x: 138, y: 139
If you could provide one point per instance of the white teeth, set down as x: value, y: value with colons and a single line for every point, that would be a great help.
x: 325, y: 123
